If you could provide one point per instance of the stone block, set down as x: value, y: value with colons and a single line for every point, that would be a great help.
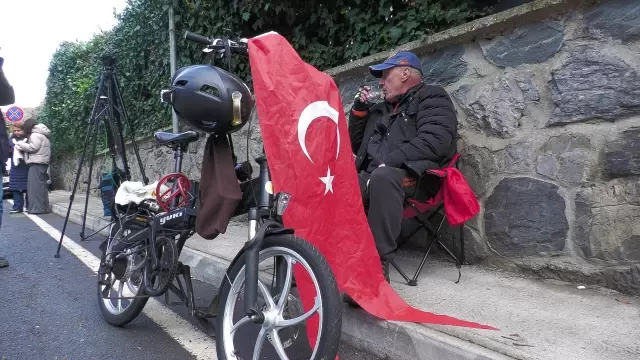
x: 475, y: 247
x: 607, y: 224
x: 594, y: 83
x: 485, y: 114
x: 618, y: 19
x: 622, y: 154
x: 567, y: 158
x: 444, y: 67
x: 479, y: 164
x: 525, y: 217
x: 529, y: 44
x: 524, y: 79
x: 626, y: 280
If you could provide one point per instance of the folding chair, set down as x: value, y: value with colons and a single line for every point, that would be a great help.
x: 423, y: 204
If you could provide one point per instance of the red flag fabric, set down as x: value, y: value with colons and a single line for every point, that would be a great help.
x: 307, y: 146
x: 460, y: 203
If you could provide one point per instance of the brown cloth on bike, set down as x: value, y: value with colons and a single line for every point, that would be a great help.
x: 219, y: 189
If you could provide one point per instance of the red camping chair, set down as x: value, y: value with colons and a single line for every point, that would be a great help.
x: 454, y: 200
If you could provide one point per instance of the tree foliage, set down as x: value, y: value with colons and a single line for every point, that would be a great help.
x: 326, y: 33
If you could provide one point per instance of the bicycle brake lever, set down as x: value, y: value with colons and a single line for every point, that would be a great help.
x: 231, y: 35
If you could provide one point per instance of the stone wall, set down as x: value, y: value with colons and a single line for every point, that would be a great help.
x: 548, y: 97
x: 549, y: 121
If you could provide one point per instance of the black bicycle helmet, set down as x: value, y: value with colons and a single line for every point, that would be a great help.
x: 203, y: 97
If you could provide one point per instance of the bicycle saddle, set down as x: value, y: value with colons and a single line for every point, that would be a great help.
x: 165, y: 138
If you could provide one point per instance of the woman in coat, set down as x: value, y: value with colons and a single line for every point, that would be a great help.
x: 19, y: 170
x: 37, y: 151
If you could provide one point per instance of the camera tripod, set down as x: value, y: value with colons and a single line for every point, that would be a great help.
x: 109, y: 111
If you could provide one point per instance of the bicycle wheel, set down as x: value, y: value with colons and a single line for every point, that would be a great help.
x: 125, y: 279
x: 295, y: 252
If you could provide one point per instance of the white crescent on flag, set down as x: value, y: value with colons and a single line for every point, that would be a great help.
x: 313, y: 111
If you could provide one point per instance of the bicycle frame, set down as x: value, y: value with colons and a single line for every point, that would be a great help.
x: 262, y: 223
x: 263, y: 216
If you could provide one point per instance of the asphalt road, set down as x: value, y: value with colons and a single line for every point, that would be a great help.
x: 49, y: 310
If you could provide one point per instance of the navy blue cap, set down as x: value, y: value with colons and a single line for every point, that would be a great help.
x: 403, y: 58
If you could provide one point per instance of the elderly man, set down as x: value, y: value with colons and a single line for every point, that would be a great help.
x: 396, y: 140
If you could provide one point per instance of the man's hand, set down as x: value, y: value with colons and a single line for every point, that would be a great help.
x: 361, y: 101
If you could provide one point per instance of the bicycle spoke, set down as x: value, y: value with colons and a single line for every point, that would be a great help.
x: 301, y: 318
x: 277, y: 344
x: 120, y: 288
x: 266, y: 294
x: 241, y: 322
x: 286, y: 288
x: 259, y: 342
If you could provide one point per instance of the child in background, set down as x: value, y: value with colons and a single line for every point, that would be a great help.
x: 19, y: 170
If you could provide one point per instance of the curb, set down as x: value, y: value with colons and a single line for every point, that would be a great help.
x: 382, y: 338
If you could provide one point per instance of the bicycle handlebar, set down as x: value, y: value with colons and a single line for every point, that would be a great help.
x: 197, y: 38
x: 236, y: 47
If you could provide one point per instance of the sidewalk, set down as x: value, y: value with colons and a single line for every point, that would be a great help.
x: 537, y: 319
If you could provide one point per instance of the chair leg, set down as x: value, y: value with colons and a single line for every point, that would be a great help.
x: 446, y: 249
x: 414, y: 281
x: 406, y: 278
x: 435, y: 235
x: 462, y: 259
x: 435, y: 238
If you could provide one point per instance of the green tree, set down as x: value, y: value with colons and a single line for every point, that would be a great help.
x: 326, y: 33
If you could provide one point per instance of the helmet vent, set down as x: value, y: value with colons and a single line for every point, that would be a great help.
x: 210, y: 90
x: 181, y: 82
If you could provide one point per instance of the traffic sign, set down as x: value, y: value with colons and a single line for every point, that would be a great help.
x: 15, y: 113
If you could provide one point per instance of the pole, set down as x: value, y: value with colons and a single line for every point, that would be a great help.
x: 172, y: 57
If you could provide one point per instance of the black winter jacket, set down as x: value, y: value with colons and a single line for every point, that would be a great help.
x: 421, y: 131
x: 7, y: 97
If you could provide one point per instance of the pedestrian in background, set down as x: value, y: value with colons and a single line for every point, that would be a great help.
x: 19, y: 172
x: 37, y: 151
x: 7, y: 97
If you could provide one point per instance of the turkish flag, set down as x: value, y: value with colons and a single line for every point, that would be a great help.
x: 307, y: 146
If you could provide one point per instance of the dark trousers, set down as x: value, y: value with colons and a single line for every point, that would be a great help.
x: 383, y: 200
x: 19, y: 200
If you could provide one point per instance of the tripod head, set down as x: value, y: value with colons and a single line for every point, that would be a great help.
x: 108, y: 61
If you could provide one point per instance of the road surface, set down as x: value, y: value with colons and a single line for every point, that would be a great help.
x: 49, y: 306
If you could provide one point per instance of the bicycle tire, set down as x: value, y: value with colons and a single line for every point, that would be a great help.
x: 331, y: 303
x: 134, y: 309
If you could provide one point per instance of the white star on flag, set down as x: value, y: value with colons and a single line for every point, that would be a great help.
x: 328, y: 181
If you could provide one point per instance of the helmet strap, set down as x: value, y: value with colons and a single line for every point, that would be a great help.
x: 227, y: 52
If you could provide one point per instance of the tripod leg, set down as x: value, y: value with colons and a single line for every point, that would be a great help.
x: 90, y: 134
x: 113, y: 124
x: 87, y: 194
x: 131, y: 132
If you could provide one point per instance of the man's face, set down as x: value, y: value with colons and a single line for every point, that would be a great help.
x: 392, y: 82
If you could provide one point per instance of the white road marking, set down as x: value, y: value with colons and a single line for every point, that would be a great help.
x: 192, y: 339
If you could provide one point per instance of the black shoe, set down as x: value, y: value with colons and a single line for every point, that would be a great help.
x: 15, y: 211
x: 3, y: 262
x: 346, y: 298
x: 385, y: 270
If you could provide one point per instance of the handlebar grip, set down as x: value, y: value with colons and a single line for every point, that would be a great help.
x: 197, y: 38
